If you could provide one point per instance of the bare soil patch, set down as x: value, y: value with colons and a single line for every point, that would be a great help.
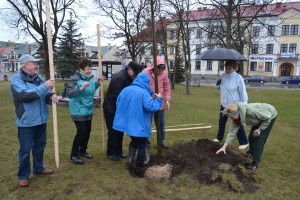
x: 199, y: 161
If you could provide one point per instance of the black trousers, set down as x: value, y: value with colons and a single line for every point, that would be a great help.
x: 82, y: 137
x: 115, y: 138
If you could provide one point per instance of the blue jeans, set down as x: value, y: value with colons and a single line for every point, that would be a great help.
x: 31, y: 138
x: 241, y: 135
x: 162, y: 123
x: 139, y: 143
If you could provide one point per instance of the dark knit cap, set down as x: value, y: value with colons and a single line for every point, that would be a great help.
x: 136, y: 68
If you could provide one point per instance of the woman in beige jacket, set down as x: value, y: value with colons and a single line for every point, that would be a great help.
x: 261, y: 117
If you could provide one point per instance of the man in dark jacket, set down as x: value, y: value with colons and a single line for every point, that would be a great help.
x: 119, y: 81
x: 31, y: 94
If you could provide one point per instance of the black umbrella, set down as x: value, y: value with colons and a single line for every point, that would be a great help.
x: 221, y: 54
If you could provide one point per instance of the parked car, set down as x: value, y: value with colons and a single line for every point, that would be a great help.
x: 255, y: 78
x: 291, y: 80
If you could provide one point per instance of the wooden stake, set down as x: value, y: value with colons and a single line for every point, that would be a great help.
x: 183, y: 125
x: 185, y: 129
x: 101, y: 86
x: 51, y: 65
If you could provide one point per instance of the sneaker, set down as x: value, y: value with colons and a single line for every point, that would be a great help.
x: 247, y: 155
x: 245, y: 146
x: 163, y: 145
x: 216, y: 140
x: 23, y: 182
x: 252, y: 166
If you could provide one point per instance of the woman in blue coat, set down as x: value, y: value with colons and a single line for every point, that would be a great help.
x: 135, y: 107
x: 80, y: 90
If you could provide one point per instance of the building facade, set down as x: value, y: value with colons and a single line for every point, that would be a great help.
x: 273, y: 50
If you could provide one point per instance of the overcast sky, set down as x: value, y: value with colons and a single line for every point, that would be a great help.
x: 88, y: 28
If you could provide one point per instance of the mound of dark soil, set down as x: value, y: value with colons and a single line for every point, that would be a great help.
x: 198, y: 159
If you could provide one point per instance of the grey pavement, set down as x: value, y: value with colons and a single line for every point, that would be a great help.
x: 267, y: 85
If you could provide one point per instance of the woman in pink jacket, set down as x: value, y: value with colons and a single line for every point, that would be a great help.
x: 164, y: 90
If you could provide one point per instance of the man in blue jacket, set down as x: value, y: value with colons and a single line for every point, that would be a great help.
x: 31, y: 94
x: 135, y: 107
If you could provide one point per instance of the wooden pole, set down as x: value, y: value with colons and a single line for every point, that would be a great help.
x: 51, y: 65
x: 154, y: 51
x: 101, y: 86
x: 185, y: 129
x: 183, y: 125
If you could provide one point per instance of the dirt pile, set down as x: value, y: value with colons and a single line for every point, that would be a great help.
x: 198, y: 160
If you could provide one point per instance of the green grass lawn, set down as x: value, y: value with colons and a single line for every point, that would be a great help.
x: 100, y: 178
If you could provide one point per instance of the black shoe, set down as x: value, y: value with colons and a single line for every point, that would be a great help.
x: 86, y: 155
x: 114, y: 157
x: 252, y: 166
x: 131, y: 156
x: 76, y: 160
x: 122, y: 155
x: 138, y: 172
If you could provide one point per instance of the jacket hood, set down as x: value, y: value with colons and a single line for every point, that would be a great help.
x: 143, y: 81
x: 159, y: 61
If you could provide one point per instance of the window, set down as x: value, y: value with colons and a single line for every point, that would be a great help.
x: 210, y: 33
x: 268, y: 66
x: 221, y: 65
x: 188, y: 33
x: 209, y: 65
x: 269, y: 48
x: 285, y: 29
x: 256, y: 30
x: 173, y: 50
x: 271, y: 30
x: 253, y: 66
x: 197, y: 65
x: 172, y: 63
x: 254, y: 48
x: 292, y: 48
x: 284, y: 48
x: 173, y: 35
x: 294, y: 30
x: 198, y: 33
x: 198, y: 48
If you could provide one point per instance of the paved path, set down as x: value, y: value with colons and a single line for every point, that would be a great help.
x: 267, y: 85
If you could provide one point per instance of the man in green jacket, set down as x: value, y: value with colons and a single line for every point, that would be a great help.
x: 261, y: 117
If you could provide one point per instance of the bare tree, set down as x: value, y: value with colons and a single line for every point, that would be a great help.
x: 28, y: 16
x: 229, y: 22
x: 182, y: 9
x: 129, y: 18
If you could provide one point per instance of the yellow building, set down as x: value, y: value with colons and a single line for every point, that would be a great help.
x: 289, y: 44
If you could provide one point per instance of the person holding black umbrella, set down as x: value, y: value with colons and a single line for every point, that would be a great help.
x: 232, y: 90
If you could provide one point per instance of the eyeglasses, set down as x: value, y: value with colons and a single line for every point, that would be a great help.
x: 233, y: 114
x: 229, y: 68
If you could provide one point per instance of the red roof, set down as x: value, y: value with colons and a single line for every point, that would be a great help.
x: 145, y: 34
x: 246, y: 11
x: 5, y: 50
